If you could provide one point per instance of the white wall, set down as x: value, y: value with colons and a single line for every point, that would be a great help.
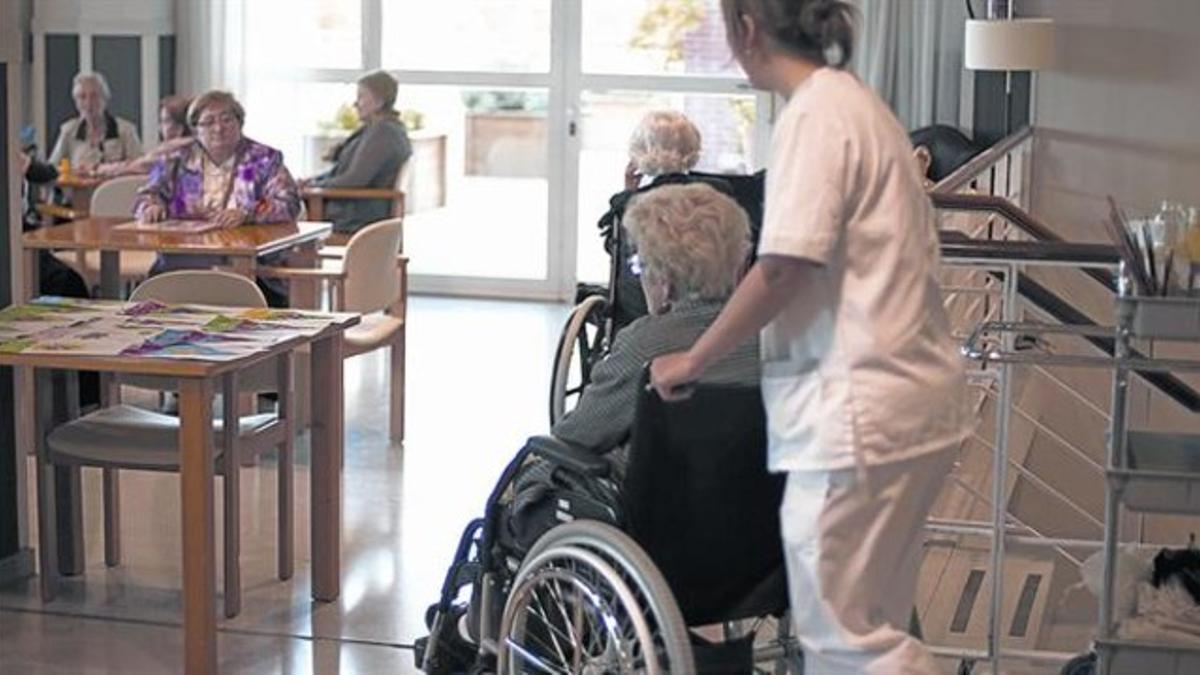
x: 1120, y: 114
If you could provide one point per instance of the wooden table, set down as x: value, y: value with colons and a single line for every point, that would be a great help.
x: 241, y: 245
x: 197, y: 382
x: 79, y: 191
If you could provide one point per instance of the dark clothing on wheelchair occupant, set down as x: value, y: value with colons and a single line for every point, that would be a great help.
x: 370, y: 158
x: 604, y: 416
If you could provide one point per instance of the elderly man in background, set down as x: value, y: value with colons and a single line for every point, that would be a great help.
x: 95, y: 136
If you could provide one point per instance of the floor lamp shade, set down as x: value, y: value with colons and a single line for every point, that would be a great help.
x: 1018, y: 44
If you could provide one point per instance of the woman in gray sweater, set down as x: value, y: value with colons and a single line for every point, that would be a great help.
x: 370, y: 158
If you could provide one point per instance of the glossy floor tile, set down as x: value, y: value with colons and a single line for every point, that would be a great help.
x: 477, y: 387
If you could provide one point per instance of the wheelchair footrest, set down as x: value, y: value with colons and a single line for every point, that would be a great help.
x: 730, y: 656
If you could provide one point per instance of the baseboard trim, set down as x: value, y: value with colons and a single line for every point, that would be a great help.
x: 16, y: 566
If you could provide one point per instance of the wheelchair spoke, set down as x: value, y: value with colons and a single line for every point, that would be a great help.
x: 553, y: 633
x: 577, y: 613
x: 533, y: 660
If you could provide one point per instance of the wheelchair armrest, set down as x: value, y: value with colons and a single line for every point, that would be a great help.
x: 571, y: 456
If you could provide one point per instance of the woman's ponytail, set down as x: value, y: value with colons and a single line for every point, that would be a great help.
x: 820, y: 30
x: 830, y: 25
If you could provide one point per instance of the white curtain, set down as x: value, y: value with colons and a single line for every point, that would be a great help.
x: 910, y: 52
x: 210, y: 46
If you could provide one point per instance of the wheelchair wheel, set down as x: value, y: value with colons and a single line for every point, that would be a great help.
x: 589, y: 600
x: 581, y: 343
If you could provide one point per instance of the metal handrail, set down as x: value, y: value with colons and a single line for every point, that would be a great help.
x: 1092, y: 261
x: 960, y: 201
x: 974, y: 350
x: 983, y: 161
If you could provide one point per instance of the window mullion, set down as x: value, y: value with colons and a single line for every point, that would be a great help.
x: 372, y: 34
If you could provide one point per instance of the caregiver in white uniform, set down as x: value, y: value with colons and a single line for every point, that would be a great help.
x: 862, y: 383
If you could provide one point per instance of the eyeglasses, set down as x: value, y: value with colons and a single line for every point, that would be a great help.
x: 226, y: 119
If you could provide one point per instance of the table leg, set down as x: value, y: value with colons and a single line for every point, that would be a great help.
x: 110, y: 275
x: 196, y: 497
x: 81, y: 200
x: 303, y: 293
x: 243, y: 265
x: 326, y: 471
x: 231, y: 461
x: 68, y: 480
x: 32, y: 286
x: 46, y: 503
x: 247, y: 401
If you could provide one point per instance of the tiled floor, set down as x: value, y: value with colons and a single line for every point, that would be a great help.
x: 477, y: 387
x: 478, y: 374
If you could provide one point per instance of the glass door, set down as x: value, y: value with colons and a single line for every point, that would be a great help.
x: 519, y: 112
x: 635, y: 56
x: 479, y: 76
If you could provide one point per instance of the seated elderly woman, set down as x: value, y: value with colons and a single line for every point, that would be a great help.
x: 662, y: 149
x: 173, y: 133
x: 370, y: 158
x: 220, y: 176
x: 692, y: 243
x: 95, y: 136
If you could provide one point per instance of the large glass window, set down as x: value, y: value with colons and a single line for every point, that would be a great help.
x: 511, y: 36
x: 302, y: 119
x: 478, y: 193
x: 303, y: 33
x: 519, y: 112
x: 655, y: 37
x: 726, y: 125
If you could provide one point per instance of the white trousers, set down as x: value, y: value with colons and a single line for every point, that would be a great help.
x: 852, y: 541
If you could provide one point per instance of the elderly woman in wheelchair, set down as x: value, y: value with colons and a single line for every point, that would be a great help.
x: 603, y: 544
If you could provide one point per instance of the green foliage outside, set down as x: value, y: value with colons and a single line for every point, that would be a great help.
x: 665, y: 24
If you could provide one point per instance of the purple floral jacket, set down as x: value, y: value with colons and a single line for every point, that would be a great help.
x: 262, y: 185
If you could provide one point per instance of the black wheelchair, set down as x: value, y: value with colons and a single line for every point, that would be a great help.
x: 610, y: 567
x: 601, y: 311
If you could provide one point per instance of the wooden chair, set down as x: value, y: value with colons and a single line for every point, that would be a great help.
x: 120, y: 436
x: 371, y: 278
x: 112, y: 198
x: 315, y: 197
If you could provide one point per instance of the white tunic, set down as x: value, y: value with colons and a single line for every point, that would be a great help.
x: 860, y: 368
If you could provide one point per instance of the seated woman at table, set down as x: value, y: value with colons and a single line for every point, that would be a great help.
x: 222, y: 177
x: 370, y: 158
x: 173, y: 133
x: 95, y: 136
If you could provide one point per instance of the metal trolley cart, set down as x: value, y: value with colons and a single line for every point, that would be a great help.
x: 1146, y: 471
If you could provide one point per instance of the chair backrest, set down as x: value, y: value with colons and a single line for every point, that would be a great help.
x: 402, y: 185
x: 200, y: 287
x: 372, y: 279
x: 699, y: 499
x: 115, y: 197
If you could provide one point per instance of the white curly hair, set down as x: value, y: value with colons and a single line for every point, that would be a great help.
x: 691, y: 236
x: 665, y: 141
